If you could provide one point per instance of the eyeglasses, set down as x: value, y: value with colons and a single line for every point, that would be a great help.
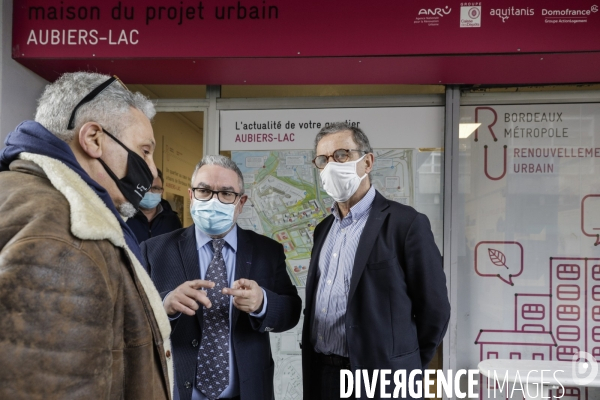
x: 340, y: 155
x: 91, y: 96
x: 156, y: 189
x: 225, y: 197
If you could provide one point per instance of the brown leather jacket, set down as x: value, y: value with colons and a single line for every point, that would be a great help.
x: 77, y: 317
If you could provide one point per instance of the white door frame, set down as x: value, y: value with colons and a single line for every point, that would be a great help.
x: 206, y: 106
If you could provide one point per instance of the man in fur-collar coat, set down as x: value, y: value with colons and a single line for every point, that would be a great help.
x: 79, y: 316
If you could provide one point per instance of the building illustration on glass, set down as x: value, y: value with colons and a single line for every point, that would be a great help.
x: 552, y: 326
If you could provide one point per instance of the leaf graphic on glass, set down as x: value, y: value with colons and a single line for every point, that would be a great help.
x: 497, y: 257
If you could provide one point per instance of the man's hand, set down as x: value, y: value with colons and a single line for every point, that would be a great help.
x: 187, y: 297
x: 247, y: 295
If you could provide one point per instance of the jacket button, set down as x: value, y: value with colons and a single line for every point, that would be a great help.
x: 187, y: 384
x: 168, y: 354
x: 194, y: 343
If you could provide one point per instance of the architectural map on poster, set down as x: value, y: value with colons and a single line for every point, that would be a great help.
x: 284, y: 202
x: 392, y: 174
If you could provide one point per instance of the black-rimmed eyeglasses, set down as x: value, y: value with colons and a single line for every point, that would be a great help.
x: 224, y: 196
x: 340, y: 155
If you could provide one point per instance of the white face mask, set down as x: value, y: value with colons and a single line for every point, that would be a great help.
x: 340, y: 180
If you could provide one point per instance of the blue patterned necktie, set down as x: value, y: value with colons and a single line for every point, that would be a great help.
x: 212, y: 376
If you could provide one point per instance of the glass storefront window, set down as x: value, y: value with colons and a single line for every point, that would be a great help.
x: 528, y: 230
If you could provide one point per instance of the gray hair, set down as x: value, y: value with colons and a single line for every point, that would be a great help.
x: 359, y: 137
x: 110, y: 108
x: 220, y: 161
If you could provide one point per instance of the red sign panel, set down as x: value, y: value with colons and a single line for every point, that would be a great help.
x: 222, y: 29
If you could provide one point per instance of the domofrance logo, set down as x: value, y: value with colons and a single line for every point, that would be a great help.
x: 568, y: 15
x: 585, y: 368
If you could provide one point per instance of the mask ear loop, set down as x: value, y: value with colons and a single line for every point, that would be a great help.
x: 109, y: 171
x: 355, y: 165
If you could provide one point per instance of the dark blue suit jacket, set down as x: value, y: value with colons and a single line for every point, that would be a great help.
x: 172, y: 259
x: 398, y: 309
x: 165, y: 222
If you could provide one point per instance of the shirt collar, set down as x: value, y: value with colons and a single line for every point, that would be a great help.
x: 358, y: 210
x: 202, y: 238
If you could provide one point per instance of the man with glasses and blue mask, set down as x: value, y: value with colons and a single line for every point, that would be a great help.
x: 376, y: 292
x: 156, y: 217
x: 80, y: 316
x: 224, y: 289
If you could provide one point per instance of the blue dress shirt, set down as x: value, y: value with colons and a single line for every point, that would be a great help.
x: 336, y: 262
x: 205, y: 256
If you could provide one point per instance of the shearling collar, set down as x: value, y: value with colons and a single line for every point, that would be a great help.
x: 92, y: 220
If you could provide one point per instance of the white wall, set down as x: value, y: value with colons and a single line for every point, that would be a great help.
x: 19, y: 87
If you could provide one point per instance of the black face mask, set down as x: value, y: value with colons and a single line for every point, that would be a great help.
x: 138, y: 179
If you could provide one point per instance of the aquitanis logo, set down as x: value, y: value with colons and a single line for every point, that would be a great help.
x: 505, y: 13
x: 490, y: 130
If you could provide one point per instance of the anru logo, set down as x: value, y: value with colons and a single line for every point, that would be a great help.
x: 440, y: 12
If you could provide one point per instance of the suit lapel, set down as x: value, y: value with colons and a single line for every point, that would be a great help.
x: 243, y: 262
x: 189, y: 254
x: 367, y: 239
x: 189, y: 257
x: 313, y: 268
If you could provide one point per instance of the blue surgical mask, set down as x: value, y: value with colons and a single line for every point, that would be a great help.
x: 212, y: 217
x: 150, y: 200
